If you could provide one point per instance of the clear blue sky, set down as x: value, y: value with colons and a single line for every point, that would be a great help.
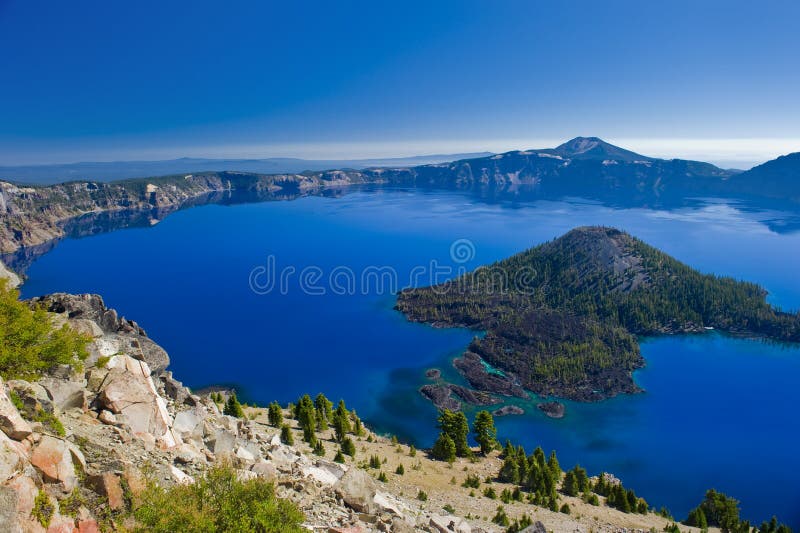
x: 136, y: 80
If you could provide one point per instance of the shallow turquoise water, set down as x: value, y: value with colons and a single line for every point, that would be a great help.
x: 717, y: 412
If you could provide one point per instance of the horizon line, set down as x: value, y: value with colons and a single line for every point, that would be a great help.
x: 749, y: 151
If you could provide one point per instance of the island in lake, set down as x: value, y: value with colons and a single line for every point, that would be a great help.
x: 562, y: 319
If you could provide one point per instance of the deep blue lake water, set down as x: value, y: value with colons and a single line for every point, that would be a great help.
x: 718, y: 412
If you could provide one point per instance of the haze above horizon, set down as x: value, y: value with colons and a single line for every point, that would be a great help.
x: 100, y: 81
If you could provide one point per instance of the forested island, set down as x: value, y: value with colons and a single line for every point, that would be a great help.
x: 564, y: 317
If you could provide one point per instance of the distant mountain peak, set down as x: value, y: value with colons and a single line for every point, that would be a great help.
x: 596, y: 148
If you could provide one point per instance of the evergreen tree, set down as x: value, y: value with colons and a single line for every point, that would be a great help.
x: 455, y: 425
x: 275, y: 415
x: 509, y: 472
x: 554, y: 467
x: 233, y: 407
x: 319, y: 449
x: 306, y: 415
x: 444, y: 449
x: 485, y: 432
x: 348, y: 447
x: 721, y: 511
x: 341, y: 422
x: 570, y: 484
x: 338, y: 458
x: 324, y: 411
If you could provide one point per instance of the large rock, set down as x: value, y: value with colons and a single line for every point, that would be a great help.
x: 64, y: 393
x: 53, y: 457
x: 222, y: 442
x: 8, y: 510
x: 12, y: 457
x: 108, y: 484
x: 11, y: 422
x: 128, y: 390
x: 358, y: 490
x: 188, y: 424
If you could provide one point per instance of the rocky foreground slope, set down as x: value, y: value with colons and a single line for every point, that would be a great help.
x: 95, y: 436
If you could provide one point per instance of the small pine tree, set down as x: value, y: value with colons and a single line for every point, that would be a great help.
x: 382, y: 477
x: 412, y: 451
x: 338, y: 458
x: 319, y: 449
x: 348, y: 447
x: 501, y: 518
x: 286, y: 435
x: 444, y: 449
x: 570, y: 484
x: 485, y: 431
x: 341, y: 421
x: 233, y: 407
x: 400, y: 470
x: 565, y: 509
x: 275, y: 415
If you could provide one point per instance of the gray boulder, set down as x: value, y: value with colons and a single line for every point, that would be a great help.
x: 358, y: 490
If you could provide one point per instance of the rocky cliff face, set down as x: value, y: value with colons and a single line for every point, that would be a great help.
x: 31, y: 216
x: 589, y: 167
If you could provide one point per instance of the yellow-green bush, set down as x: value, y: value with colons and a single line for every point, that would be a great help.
x: 29, y: 343
x: 217, y: 501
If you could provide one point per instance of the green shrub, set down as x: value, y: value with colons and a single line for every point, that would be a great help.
x: 29, y: 343
x: 449, y: 508
x: 70, y: 505
x: 382, y: 477
x: 50, y: 422
x: 422, y: 496
x: 472, y: 481
x: 286, y: 435
x: 501, y: 518
x: 43, y: 509
x: 400, y: 470
x: 217, y: 501
x: 16, y: 400
x: 319, y: 449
